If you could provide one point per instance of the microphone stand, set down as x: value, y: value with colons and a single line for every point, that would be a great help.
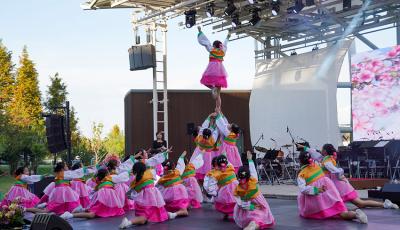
x: 261, y: 137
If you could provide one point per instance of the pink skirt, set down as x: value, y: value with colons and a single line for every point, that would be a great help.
x: 106, y: 203
x: 28, y: 199
x: 91, y: 184
x: 232, y: 153
x: 262, y: 215
x: 152, y: 213
x: 346, y: 191
x: 194, y: 192
x: 150, y: 204
x: 203, y: 170
x: 215, y: 75
x: 83, y: 191
x: 175, y: 197
x: 225, y: 201
x: 62, y: 199
x: 121, y: 190
x: 324, y: 205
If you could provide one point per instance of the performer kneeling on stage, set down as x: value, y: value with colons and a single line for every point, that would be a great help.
x: 252, y: 210
x: 346, y: 191
x: 189, y: 180
x: 318, y: 197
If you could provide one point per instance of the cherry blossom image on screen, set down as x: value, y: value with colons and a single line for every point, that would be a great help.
x: 376, y: 94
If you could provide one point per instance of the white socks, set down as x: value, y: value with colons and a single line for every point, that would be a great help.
x: 360, y: 215
x: 42, y: 205
x: 125, y: 223
x: 388, y: 204
x: 78, y: 209
x: 251, y: 226
x: 172, y: 215
x: 67, y: 215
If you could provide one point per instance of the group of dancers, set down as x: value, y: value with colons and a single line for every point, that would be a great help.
x: 158, y: 188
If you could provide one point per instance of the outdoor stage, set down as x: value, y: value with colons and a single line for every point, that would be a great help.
x: 284, y: 211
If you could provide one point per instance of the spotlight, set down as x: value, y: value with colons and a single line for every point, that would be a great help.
x: 190, y: 18
x: 255, y: 18
x: 293, y: 53
x: 235, y: 20
x: 275, y: 7
x: 251, y: 1
x: 210, y: 9
x: 296, y: 8
x: 230, y: 8
x: 346, y: 4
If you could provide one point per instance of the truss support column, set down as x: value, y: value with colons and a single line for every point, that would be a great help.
x: 351, y: 52
x: 165, y: 90
x: 398, y: 31
x: 155, y: 95
x: 267, y: 46
x: 367, y: 42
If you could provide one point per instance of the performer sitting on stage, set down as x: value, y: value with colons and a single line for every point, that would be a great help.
x: 214, y: 77
x: 189, y: 180
x: 252, y: 210
x: 173, y: 191
x: 20, y: 189
x: 318, y: 197
x: 149, y: 203
x: 225, y: 178
x: 347, y: 192
x: 105, y: 202
x: 230, y: 134
x: 210, y: 182
x: 79, y: 185
x: 205, y: 142
x: 62, y: 197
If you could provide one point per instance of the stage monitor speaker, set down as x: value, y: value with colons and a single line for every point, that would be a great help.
x: 38, y: 187
x: 391, y: 188
x: 190, y: 128
x: 142, y: 57
x: 49, y: 222
x: 55, y: 133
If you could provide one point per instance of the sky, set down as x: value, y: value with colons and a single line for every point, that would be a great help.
x: 89, y: 50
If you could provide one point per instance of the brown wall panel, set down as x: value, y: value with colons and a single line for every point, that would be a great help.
x: 184, y: 106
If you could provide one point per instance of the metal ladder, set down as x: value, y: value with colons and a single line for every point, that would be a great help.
x: 160, y: 87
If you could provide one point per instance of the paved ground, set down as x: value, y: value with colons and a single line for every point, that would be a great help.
x: 284, y: 211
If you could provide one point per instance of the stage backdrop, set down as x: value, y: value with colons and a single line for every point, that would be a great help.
x: 376, y: 94
x: 298, y: 92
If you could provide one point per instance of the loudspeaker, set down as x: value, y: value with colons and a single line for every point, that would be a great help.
x: 189, y: 128
x: 391, y: 188
x: 55, y: 133
x: 38, y: 187
x: 142, y: 57
x: 49, y: 222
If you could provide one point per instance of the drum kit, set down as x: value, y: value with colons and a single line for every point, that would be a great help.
x: 275, y: 167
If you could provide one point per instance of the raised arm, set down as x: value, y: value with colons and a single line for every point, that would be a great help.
x: 203, y: 40
x: 74, y: 174
x: 32, y: 178
x: 252, y: 167
x: 158, y: 158
x: 181, y: 163
x: 198, y: 161
x: 222, y: 125
x: 225, y: 45
x: 120, y: 178
x: 127, y: 165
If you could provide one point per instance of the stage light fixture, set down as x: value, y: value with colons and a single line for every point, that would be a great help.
x: 296, y: 8
x: 293, y: 53
x: 230, y: 8
x: 275, y: 7
x: 210, y: 9
x: 190, y: 18
x: 251, y: 1
x: 235, y: 20
x: 346, y: 4
x: 255, y: 18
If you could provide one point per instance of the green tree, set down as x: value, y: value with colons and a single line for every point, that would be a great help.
x: 115, y: 141
x: 56, y: 94
x: 7, y: 79
x: 26, y: 107
x: 96, y: 142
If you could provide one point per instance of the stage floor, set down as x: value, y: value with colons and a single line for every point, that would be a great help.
x: 284, y: 211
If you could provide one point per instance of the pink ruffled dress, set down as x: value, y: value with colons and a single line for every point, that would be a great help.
x: 79, y: 186
x: 313, y: 204
x: 225, y: 201
x: 105, y: 201
x: 215, y: 74
x: 148, y: 199
x: 19, y: 190
x: 189, y: 180
x: 173, y: 191
x: 62, y: 197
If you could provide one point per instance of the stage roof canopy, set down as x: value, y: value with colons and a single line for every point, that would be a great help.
x: 292, y: 22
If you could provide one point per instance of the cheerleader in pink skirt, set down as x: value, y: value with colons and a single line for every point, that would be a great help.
x: 79, y: 185
x: 252, y: 210
x: 318, y: 197
x: 189, y: 180
x: 172, y: 189
x: 346, y: 191
x: 205, y: 142
x: 149, y: 203
x: 214, y: 77
x: 20, y: 189
x: 229, y: 135
x: 105, y: 201
x: 62, y: 197
x: 221, y: 183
